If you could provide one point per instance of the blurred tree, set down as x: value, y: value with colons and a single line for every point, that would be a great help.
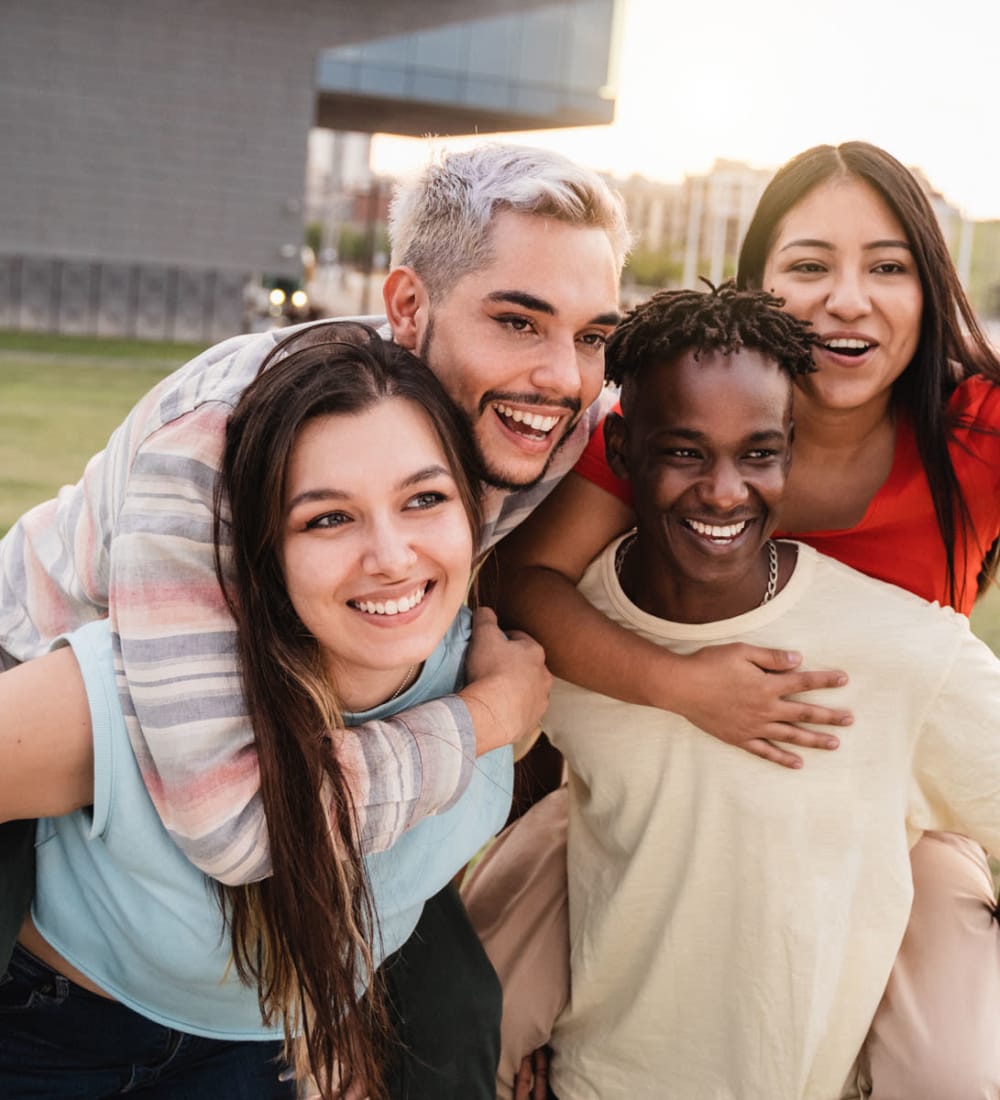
x: 314, y: 237
x: 654, y: 267
x: 353, y: 244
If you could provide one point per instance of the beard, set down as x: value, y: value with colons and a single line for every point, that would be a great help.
x: 488, y: 472
x: 497, y: 479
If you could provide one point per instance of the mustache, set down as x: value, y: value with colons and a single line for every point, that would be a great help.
x: 504, y: 397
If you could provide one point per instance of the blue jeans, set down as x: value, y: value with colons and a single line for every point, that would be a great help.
x: 58, y: 1041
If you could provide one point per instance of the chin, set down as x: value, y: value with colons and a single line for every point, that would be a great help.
x: 513, y: 474
x: 510, y: 480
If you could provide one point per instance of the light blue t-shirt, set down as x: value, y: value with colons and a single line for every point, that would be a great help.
x: 118, y: 900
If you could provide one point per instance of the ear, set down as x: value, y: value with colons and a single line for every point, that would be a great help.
x: 616, y: 444
x: 406, y: 306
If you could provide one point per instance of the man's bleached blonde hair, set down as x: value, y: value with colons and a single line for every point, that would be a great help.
x: 440, y: 224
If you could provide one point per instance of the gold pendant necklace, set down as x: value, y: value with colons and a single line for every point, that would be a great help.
x: 404, y: 685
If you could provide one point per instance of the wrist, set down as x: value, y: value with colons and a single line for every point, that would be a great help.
x: 480, y: 702
x: 666, y: 682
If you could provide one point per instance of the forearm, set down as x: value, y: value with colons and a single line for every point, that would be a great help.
x: 585, y: 647
x: 407, y: 767
x: 729, y: 691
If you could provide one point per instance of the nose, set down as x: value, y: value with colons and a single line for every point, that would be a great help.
x: 723, y: 487
x: 558, y: 373
x: 388, y: 552
x: 848, y: 297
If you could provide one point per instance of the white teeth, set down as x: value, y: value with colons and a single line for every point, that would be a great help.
x: 533, y: 420
x: 392, y: 607
x: 717, y: 531
x: 847, y: 345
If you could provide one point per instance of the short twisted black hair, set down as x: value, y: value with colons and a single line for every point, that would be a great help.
x: 720, y: 319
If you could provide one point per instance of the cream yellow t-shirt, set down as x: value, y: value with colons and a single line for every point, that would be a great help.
x: 733, y: 923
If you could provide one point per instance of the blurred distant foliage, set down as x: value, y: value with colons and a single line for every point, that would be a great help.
x: 313, y: 237
x: 984, y: 273
x: 654, y: 267
x: 353, y: 244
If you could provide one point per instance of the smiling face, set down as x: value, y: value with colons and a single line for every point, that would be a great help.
x: 706, y: 447
x: 519, y: 344
x: 841, y: 261
x: 377, y: 547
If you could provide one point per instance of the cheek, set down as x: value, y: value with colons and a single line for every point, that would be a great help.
x: 460, y: 548
x: 592, y: 380
x: 913, y: 314
x: 771, y: 487
x: 797, y: 298
x: 446, y: 542
x: 310, y: 575
x: 660, y: 490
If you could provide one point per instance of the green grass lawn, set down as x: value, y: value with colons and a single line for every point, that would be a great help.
x: 60, y: 399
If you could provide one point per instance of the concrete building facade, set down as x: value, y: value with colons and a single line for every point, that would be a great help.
x: 155, y: 153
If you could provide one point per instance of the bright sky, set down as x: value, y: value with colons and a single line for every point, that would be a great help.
x: 759, y: 82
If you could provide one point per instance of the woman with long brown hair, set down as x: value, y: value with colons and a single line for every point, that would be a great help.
x: 345, y: 530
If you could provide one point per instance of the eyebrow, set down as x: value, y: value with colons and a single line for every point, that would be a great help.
x: 815, y: 242
x: 311, y: 496
x: 539, y: 305
x: 695, y: 436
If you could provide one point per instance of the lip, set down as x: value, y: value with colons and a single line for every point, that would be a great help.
x: 398, y: 592
x: 719, y: 548
x: 534, y: 445
x: 843, y: 359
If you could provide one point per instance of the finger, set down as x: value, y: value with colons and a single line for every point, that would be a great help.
x: 522, y: 1080
x: 811, y: 681
x: 484, y: 615
x: 773, y: 660
x: 768, y: 751
x: 795, y: 735
x: 794, y: 711
x: 790, y: 734
x: 540, y: 1060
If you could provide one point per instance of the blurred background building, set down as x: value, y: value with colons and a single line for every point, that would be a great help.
x: 155, y: 154
x: 169, y: 169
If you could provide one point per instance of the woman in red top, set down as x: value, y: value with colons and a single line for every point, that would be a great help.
x: 896, y: 472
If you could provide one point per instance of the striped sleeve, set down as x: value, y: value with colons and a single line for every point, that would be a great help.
x: 133, y: 539
x: 180, y: 686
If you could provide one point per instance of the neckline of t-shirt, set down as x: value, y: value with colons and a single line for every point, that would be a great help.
x: 789, y: 595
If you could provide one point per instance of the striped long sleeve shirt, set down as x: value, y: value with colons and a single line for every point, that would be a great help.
x: 133, y: 540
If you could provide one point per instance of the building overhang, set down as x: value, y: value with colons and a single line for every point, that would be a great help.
x: 410, y: 118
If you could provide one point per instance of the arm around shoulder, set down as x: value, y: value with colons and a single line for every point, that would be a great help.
x: 725, y: 690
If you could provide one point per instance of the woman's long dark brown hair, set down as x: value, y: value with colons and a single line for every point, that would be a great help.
x: 951, y: 345
x: 304, y: 936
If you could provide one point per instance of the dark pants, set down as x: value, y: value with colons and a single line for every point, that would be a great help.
x: 445, y: 1003
x: 17, y: 881
x: 58, y: 1041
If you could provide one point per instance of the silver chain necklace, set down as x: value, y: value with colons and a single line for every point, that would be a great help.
x: 772, y: 565
x: 772, y: 573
